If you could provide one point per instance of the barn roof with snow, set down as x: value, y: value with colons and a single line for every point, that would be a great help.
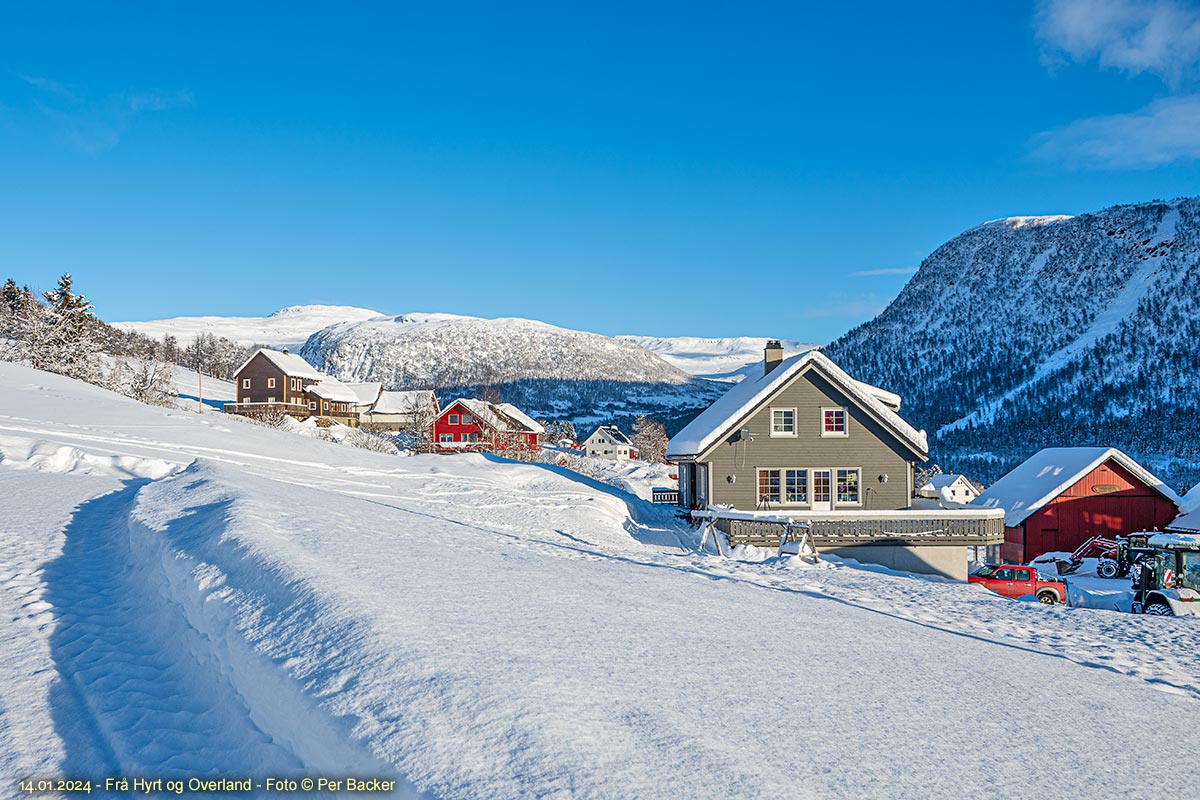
x: 1050, y: 472
x: 1189, y: 520
x: 503, y: 417
x: 722, y: 418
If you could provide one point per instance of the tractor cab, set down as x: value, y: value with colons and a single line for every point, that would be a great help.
x: 1169, y: 583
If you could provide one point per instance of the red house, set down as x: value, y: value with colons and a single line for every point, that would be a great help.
x: 477, y: 425
x: 1063, y: 496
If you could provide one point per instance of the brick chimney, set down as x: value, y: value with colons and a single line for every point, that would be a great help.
x: 772, y: 356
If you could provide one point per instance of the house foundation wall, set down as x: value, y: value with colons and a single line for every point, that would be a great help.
x: 949, y: 561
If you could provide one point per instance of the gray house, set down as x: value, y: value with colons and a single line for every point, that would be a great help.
x: 802, y: 436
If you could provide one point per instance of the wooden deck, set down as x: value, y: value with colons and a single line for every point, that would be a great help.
x: 841, y: 528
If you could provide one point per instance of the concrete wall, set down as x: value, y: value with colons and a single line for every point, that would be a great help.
x: 949, y: 561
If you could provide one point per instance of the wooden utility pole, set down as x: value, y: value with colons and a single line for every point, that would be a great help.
x: 199, y: 390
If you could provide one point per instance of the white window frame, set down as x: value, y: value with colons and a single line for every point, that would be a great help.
x: 270, y: 399
x: 312, y: 405
x: 783, y: 434
x: 467, y: 419
x: 245, y: 383
x: 270, y: 383
x: 452, y: 419
x: 838, y: 503
x: 758, y: 495
x: 445, y: 437
x: 783, y: 490
x: 845, y: 431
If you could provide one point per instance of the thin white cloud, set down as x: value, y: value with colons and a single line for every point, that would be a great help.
x: 1159, y: 37
x: 870, y: 273
x: 94, y: 125
x: 1165, y: 131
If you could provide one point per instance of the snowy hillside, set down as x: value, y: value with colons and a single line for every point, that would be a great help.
x: 1033, y: 332
x: 724, y: 359
x: 192, y: 595
x: 547, y: 371
x: 288, y: 326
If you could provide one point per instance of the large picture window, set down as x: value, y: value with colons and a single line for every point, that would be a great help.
x: 848, y: 481
x: 783, y: 422
x: 768, y: 485
x: 833, y: 422
x: 795, y: 486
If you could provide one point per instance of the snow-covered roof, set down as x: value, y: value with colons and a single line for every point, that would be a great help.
x: 1049, y: 472
x: 1174, y: 540
x: 504, y: 417
x: 333, y: 390
x: 366, y: 393
x: 943, y: 480
x: 512, y: 412
x: 718, y: 420
x: 889, y: 399
x: 402, y: 402
x: 614, y: 433
x: 291, y: 364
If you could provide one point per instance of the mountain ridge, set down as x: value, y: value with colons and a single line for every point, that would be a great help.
x: 1073, y: 331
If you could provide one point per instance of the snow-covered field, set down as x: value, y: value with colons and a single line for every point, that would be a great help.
x: 196, y: 595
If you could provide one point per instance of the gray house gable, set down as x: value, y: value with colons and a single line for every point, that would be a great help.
x: 740, y: 453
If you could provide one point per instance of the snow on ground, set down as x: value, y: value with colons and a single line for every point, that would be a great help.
x: 481, y: 628
x: 190, y: 387
x: 289, y: 326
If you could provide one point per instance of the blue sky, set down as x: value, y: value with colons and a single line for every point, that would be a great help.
x: 667, y: 169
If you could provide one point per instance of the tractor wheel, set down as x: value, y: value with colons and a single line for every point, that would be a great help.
x: 1048, y: 597
x: 1159, y: 609
x: 1107, y: 568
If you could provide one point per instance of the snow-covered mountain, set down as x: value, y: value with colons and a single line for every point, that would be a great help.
x: 545, y: 370
x: 724, y: 359
x: 1031, y: 332
x: 286, y: 327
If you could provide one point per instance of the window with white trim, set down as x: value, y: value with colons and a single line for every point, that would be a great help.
x: 470, y: 437
x: 270, y: 383
x: 245, y: 383
x: 783, y: 422
x: 312, y: 405
x: 848, y: 486
x: 768, y: 485
x: 270, y: 399
x: 795, y: 486
x: 466, y: 419
x: 452, y: 419
x: 833, y: 422
x: 445, y: 437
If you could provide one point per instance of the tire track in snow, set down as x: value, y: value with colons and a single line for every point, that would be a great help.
x: 139, y: 690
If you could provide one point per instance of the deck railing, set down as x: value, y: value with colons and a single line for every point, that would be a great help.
x: 974, y: 527
x: 251, y: 409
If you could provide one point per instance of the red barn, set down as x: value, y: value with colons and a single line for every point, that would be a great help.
x: 1063, y: 496
x: 481, y: 426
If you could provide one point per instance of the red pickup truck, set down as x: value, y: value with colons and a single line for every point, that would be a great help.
x: 1013, y: 581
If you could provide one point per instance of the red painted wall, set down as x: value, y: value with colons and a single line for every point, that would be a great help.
x: 1080, y: 512
x: 486, y: 437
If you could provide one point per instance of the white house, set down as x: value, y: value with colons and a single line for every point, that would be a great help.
x: 608, y: 442
x: 949, y: 488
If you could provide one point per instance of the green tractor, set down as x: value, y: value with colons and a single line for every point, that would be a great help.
x: 1169, y: 583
